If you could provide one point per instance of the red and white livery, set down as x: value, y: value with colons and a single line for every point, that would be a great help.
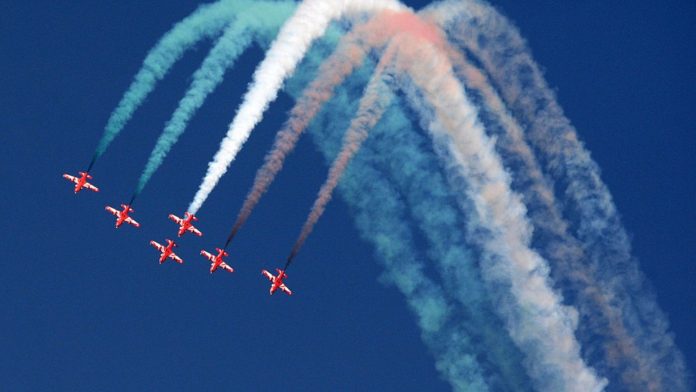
x: 122, y: 216
x: 185, y: 224
x: 277, y: 281
x: 81, y: 182
x: 217, y: 260
x: 167, y: 251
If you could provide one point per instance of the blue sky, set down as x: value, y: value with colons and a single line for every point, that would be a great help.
x: 87, y: 307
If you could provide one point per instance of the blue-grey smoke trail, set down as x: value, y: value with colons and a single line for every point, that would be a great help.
x: 403, y: 155
x: 207, y: 21
x: 497, y: 44
x: 380, y: 218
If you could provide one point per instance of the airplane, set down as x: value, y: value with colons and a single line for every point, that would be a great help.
x: 217, y: 260
x: 185, y: 224
x: 122, y: 216
x: 277, y: 281
x: 81, y: 182
x: 167, y: 251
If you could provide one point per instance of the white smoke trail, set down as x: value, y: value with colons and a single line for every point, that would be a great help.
x: 255, y: 21
x: 308, y: 23
x: 535, y: 317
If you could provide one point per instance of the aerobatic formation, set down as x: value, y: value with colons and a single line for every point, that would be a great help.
x: 436, y: 123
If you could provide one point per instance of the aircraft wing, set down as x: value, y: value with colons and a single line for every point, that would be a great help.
x: 207, y: 255
x: 176, y: 258
x: 194, y: 231
x: 175, y: 218
x: 227, y: 267
x: 286, y: 289
x: 90, y: 187
x: 132, y: 221
x: 112, y: 210
x: 268, y: 275
x: 70, y: 178
x: 157, y: 246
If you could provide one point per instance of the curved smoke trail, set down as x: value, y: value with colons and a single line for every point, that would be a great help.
x: 205, y: 22
x: 256, y: 18
x: 309, y: 22
x: 494, y: 218
x: 372, y: 105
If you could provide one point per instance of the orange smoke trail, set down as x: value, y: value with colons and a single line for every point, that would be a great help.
x: 372, y: 105
x: 331, y: 74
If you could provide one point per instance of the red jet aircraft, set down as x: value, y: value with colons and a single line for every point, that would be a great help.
x: 122, y: 216
x: 81, y: 182
x: 217, y: 260
x: 185, y: 224
x: 277, y: 281
x: 167, y: 251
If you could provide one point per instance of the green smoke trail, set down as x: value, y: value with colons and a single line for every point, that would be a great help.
x: 206, y: 21
x: 228, y: 48
x: 257, y: 20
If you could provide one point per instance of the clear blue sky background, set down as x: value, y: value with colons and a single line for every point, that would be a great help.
x: 86, y: 307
